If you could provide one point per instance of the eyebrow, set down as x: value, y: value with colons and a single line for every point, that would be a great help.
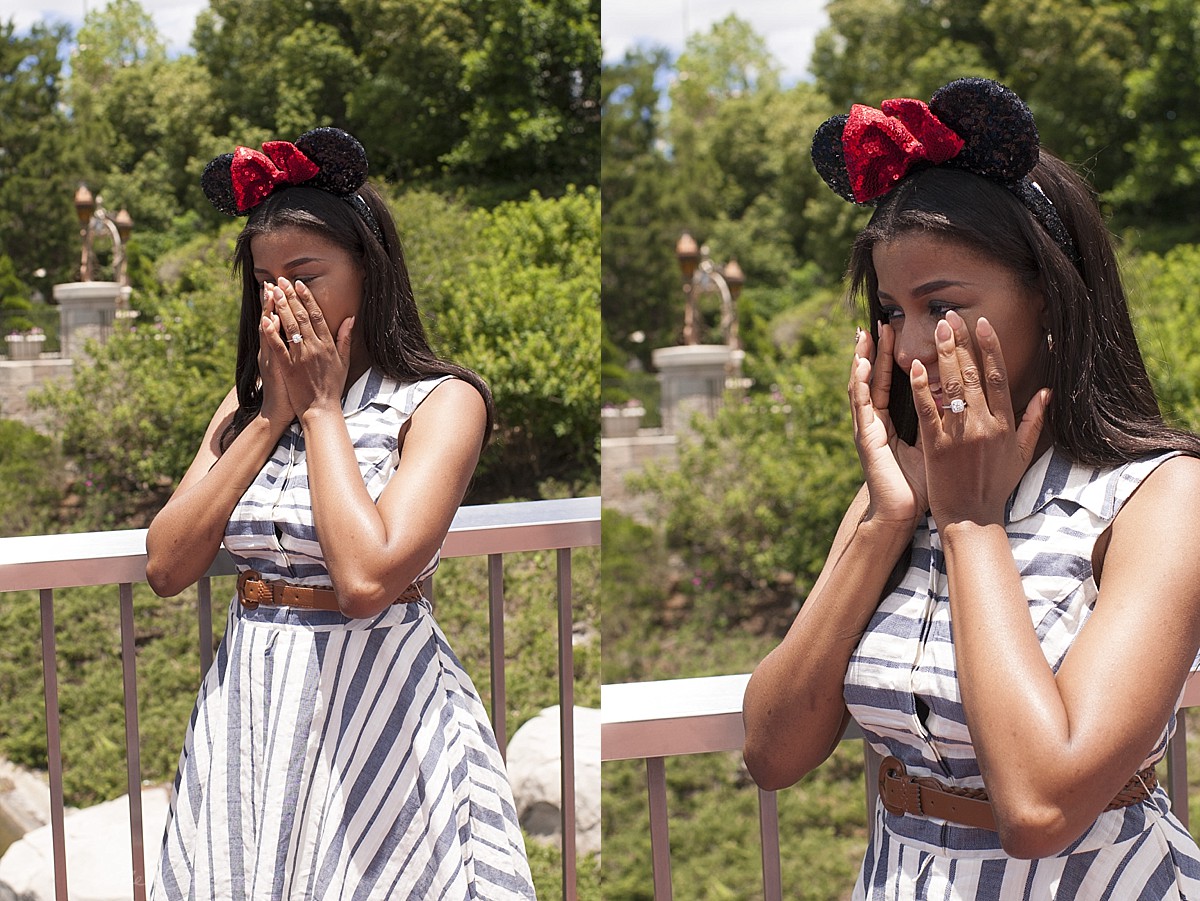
x: 292, y: 264
x: 931, y: 287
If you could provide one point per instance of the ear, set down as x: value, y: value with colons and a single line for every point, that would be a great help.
x: 217, y: 183
x: 342, y: 159
x: 829, y: 156
x: 997, y: 126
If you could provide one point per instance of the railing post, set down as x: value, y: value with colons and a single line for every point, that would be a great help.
x: 660, y: 827
x: 496, y: 650
x: 768, y: 827
x: 566, y: 706
x: 53, y: 745
x: 1177, y: 784
x: 133, y: 746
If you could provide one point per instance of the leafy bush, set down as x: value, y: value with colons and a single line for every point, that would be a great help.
x: 758, y: 493
x: 31, y: 476
x: 525, y: 313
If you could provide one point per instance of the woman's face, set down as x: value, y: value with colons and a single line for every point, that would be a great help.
x: 922, y: 276
x: 334, y: 277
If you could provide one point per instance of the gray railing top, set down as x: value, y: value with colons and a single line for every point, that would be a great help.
x: 699, y: 715
x: 102, y: 558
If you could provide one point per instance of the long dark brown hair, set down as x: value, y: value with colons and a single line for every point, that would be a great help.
x: 388, y: 321
x: 1103, y: 410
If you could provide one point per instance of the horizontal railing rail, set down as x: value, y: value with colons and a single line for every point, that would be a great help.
x: 46, y: 563
x: 652, y: 721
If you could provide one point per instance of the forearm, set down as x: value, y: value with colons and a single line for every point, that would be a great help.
x: 794, y: 709
x: 1023, y: 735
x: 185, y: 536
x: 366, y: 565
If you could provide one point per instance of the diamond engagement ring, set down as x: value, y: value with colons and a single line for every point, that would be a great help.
x: 955, y: 406
x: 297, y: 338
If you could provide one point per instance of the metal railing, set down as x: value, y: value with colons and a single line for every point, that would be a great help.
x: 46, y: 563
x: 652, y: 721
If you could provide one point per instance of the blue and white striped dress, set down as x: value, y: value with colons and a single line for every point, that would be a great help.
x: 330, y: 757
x: 902, y: 688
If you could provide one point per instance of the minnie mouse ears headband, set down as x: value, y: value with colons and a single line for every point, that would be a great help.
x: 326, y: 158
x: 973, y: 124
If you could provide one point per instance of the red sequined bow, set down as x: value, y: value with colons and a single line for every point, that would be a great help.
x: 256, y: 175
x: 881, y: 145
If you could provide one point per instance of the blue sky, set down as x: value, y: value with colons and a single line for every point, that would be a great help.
x: 173, y: 18
x: 789, y: 26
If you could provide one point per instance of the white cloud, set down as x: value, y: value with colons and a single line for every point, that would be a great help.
x: 789, y: 26
x: 173, y: 18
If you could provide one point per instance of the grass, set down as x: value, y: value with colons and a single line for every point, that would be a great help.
x: 167, y: 636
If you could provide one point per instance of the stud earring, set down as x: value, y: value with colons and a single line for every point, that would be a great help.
x: 1050, y: 341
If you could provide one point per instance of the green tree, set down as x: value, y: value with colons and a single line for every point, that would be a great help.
x: 533, y: 80
x: 524, y: 312
x: 37, y: 163
x: 1158, y: 193
x: 136, y: 412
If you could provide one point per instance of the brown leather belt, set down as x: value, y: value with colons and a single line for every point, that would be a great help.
x: 253, y: 590
x: 928, y: 797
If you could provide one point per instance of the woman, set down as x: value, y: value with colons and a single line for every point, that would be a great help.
x: 338, y: 748
x: 1012, y: 602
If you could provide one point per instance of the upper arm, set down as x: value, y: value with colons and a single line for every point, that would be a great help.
x: 441, y: 445
x: 1125, y: 670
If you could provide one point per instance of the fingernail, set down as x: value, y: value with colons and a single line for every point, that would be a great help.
x: 857, y: 333
x: 943, y: 330
x: 299, y: 284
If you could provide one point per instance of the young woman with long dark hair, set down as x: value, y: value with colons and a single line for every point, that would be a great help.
x: 1012, y: 602
x: 338, y: 748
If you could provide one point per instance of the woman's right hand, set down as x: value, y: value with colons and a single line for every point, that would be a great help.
x: 276, y: 406
x: 894, y: 470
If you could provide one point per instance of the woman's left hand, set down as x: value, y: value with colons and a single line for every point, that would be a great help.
x: 973, y: 458
x: 314, y: 367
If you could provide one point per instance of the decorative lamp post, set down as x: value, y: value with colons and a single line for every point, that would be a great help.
x: 95, y: 219
x: 700, y: 275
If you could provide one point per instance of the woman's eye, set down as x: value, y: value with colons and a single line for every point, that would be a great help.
x: 939, y: 310
x: 891, y: 314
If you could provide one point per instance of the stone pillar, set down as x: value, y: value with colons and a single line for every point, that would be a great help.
x: 692, y: 378
x: 87, y: 310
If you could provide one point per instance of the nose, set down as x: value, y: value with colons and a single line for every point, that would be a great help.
x: 914, y: 341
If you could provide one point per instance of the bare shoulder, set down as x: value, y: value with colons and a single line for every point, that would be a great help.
x: 1166, y: 500
x: 1152, y: 535
x: 453, y: 409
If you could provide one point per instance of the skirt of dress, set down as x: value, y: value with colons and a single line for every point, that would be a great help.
x: 1141, y: 853
x: 330, y: 757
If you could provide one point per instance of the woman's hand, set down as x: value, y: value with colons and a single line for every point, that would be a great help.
x: 973, y: 458
x: 276, y: 406
x: 894, y: 470
x: 314, y: 367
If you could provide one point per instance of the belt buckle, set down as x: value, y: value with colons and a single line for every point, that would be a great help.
x: 243, y: 577
x: 895, y: 786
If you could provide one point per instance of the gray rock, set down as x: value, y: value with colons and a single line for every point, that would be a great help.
x: 535, y: 772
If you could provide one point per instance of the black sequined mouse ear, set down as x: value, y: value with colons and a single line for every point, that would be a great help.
x: 217, y: 183
x: 997, y: 126
x: 342, y: 159
x: 829, y: 156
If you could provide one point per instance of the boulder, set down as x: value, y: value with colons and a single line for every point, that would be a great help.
x: 535, y: 772
x: 99, y: 855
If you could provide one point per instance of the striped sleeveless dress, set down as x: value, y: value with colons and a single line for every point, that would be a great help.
x: 902, y: 688
x: 330, y: 757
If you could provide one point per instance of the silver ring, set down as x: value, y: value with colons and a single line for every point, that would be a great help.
x: 297, y: 338
x: 955, y: 406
